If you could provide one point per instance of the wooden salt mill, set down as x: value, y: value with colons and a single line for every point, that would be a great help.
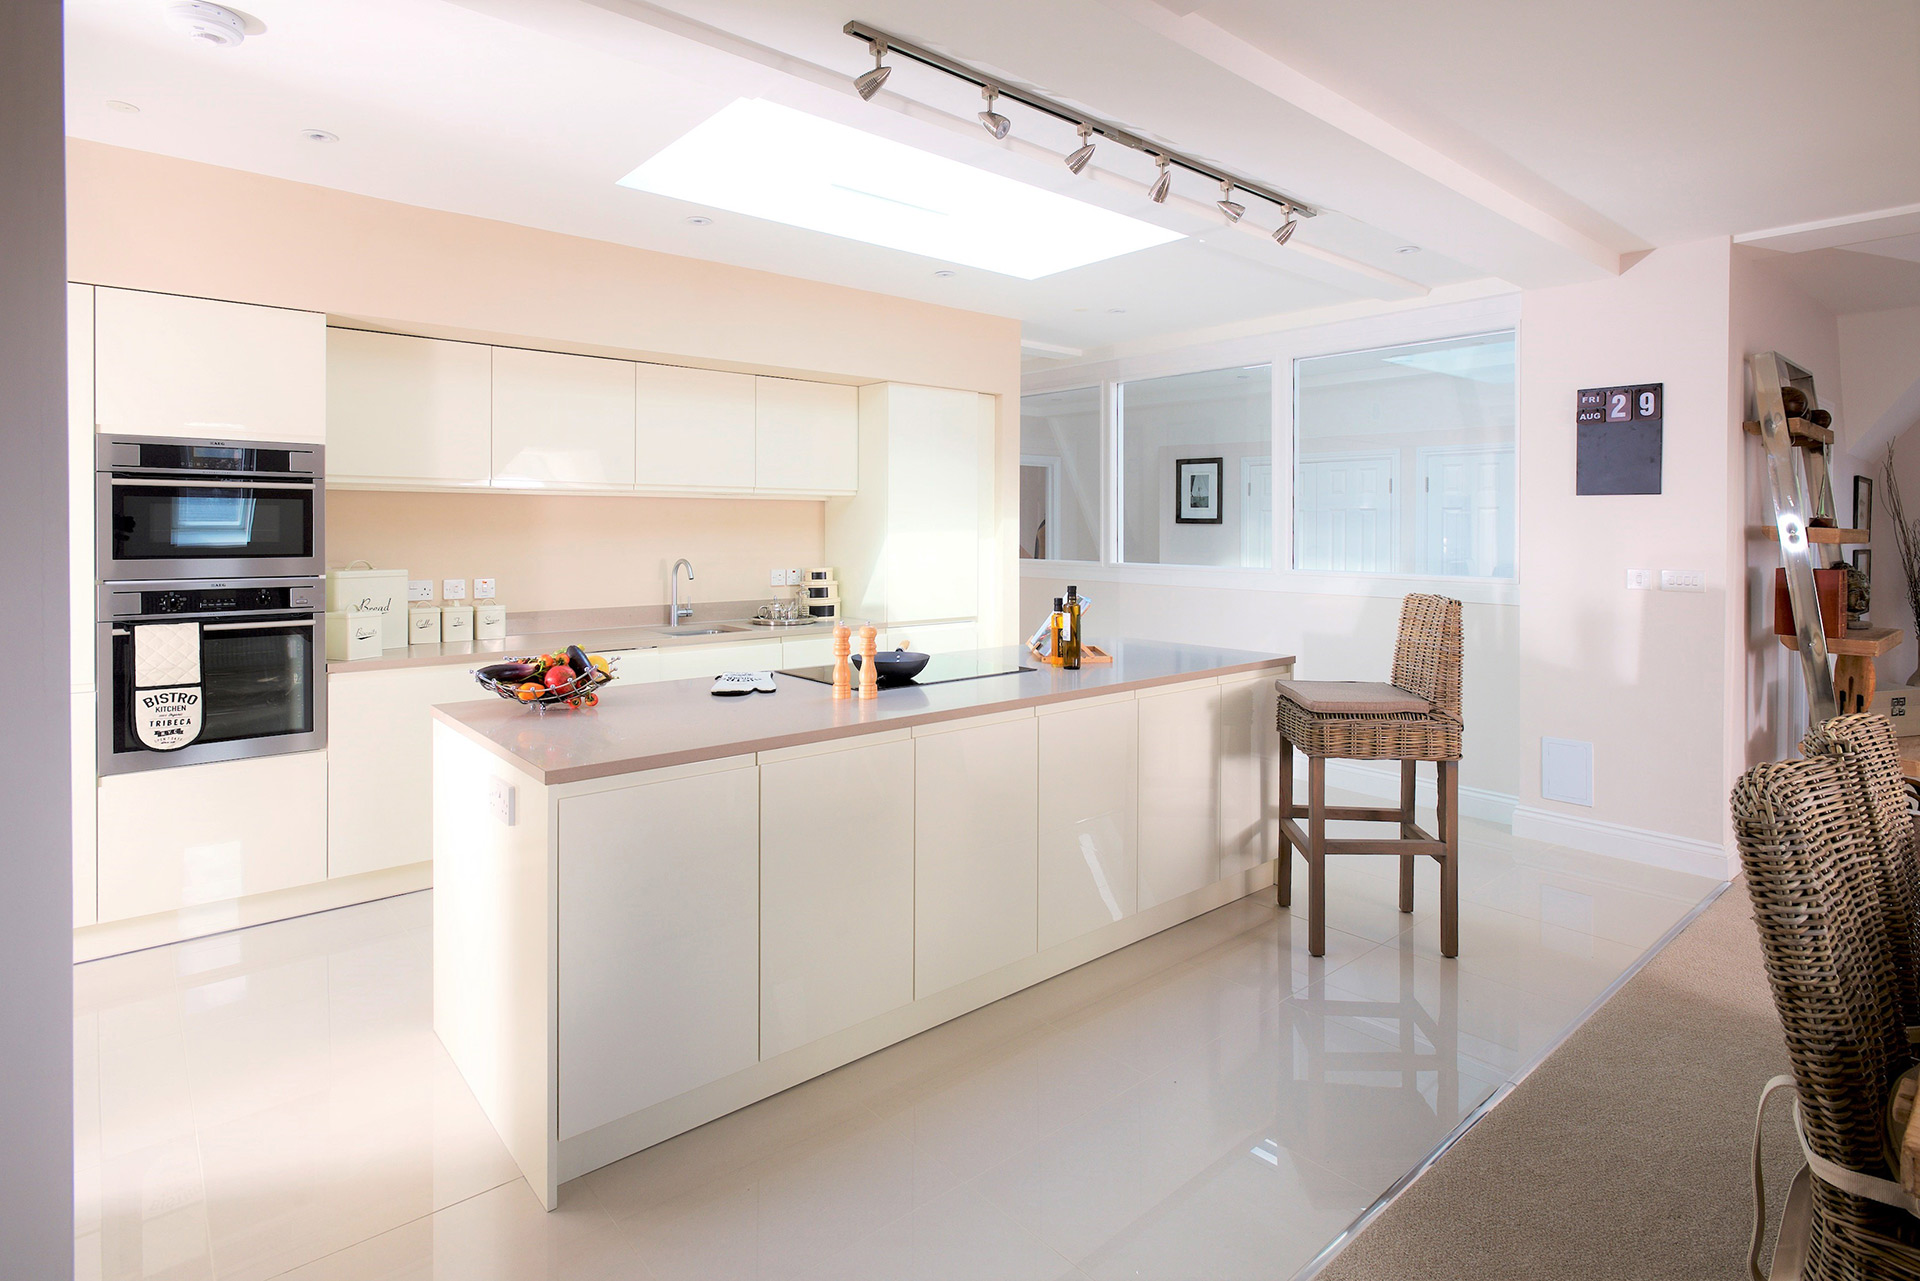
x: 869, y: 671
x: 842, y: 671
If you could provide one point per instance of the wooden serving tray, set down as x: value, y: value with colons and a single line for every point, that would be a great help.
x: 1088, y: 654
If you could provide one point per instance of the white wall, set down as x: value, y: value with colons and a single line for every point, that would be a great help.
x: 36, y: 871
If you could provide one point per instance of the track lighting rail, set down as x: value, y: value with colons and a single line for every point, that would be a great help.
x: 882, y: 44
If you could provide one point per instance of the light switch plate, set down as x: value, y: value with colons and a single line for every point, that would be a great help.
x: 777, y: 578
x: 484, y: 588
x: 1682, y: 580
x: 500, y: 801
x: 419, y: 589
x: 793, y: 578
x: 1639, y: 580
x: 453, y: 589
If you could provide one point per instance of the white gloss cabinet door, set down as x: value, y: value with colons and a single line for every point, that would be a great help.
x: 406, y: 411
x: 561, y: 422
x: 380, y: 763
x: 169, y: 365
x: 1179, y: 791
x: 836, y: 888
x: 975, y: 906
x: 806, y: 437
x: 1249, y: 773
x: 171, y: 838
x: 694, y: 429
x: 1089, y: 816
x: 933, y: 501
x: 659, y: 951
x: 807, y: 651
x: 633, y: 666
x: 683, y: 662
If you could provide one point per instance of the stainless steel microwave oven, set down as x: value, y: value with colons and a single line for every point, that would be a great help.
x: 173, y: 508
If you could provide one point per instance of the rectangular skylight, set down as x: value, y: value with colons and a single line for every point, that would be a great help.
x: 768, y: 161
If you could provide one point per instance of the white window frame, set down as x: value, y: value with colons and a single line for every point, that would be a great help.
x: 1280, y: 349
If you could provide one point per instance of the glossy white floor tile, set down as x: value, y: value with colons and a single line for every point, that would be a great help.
x: 1211, y: 1102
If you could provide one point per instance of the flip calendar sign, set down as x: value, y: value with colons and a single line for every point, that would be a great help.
x: 1619, y: 439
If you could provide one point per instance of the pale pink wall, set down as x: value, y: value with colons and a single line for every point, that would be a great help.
x: 144, y: 221
x: 572, y: 552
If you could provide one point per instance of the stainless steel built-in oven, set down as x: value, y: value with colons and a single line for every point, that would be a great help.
x: 200, y: 670
x: 170, y: 507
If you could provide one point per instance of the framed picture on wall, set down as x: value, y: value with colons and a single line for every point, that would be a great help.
x: 1196, y: 491
x: 1863, y: 502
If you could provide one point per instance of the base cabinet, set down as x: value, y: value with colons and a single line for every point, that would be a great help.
x: 1179, y: 791
x: 172, y: 838
x: 836, y: 887
x: 1249, y: 752
x: 688, y: 661
x: 975, y: 906
x: 659, y: 963
x: 1089, y: 812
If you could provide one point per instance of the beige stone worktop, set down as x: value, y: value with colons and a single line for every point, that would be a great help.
x: 658, y: 724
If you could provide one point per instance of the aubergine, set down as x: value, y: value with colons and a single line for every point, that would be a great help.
x: 509, y: 673
x: 578, y: 660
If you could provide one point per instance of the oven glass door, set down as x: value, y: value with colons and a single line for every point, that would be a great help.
x: 258, y: 688
x: 157, y: 527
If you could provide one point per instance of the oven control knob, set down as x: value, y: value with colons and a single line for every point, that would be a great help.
x: 171, y: 603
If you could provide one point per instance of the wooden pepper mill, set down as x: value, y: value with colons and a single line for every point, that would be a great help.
x: 842, y: 671
x: 869, y: 671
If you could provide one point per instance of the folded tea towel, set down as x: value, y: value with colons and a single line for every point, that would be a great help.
x: 166, y: 654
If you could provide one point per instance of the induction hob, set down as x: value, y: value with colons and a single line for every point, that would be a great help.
x: 940, y: 669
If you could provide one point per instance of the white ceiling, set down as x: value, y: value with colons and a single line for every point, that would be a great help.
x: 1533, y: 143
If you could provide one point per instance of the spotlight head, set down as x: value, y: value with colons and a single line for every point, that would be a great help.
x: 1161, y: 185
x: 1284, y: 232
x: 868, y: 83
x: 992, y: 121
x: 1078, y: 158
x: 1227, y: 205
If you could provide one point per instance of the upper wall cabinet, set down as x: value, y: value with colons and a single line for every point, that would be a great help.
x: 806, y: 437
x: 167, y: 365
x: 561, y: 422
x: 694, y: 429
x: 408, y: 412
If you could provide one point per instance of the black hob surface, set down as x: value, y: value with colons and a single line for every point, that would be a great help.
x: 940, y: 669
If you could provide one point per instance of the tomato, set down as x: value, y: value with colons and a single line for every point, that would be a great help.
x: 559, y: 677
x: 530, y: 691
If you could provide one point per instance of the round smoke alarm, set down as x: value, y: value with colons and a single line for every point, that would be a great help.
x: 207, y: 23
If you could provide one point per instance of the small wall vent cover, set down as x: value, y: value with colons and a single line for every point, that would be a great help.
x: 1566, y: 771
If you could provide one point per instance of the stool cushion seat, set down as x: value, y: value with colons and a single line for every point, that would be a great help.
x: 1352, y: 698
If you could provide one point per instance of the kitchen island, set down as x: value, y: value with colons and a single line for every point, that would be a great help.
x: 654, y: 912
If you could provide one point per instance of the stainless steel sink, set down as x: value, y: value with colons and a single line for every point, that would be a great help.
x: 718, y: 629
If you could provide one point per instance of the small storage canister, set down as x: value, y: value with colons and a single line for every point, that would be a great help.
x: 423, y: 625
x: 353, y: 633
x: 489, y: 622
x: 456, y: 623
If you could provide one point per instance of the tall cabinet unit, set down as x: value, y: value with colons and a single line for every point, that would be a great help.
x: 80, y: 593
x: 166, y: 365
x: 908, y: 545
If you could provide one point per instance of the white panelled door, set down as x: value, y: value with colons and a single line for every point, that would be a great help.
x: 1345, y: 518
x: 1466, y: 517
x: 1256, y: 508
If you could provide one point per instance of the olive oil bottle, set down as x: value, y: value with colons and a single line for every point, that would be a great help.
x: 1069, y: 607
x: 1057, y: 630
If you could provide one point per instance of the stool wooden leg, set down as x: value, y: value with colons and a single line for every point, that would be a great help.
x: 1283, y: 872
x: 1450, y: 865
x: 1317, y: 855
x: 1406, y: 830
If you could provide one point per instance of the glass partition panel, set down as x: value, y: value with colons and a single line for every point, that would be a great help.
x: 1060, y: 475
x: 1196, y: 465
x: 1403, y: 459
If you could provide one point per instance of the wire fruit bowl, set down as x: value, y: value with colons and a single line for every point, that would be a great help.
x: 580, y: 691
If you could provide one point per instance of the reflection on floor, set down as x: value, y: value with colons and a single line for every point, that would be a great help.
x: 1208, y: 1103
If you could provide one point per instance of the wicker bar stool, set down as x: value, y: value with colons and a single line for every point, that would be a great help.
x: 1415, y: 718
x: 1814, y: 874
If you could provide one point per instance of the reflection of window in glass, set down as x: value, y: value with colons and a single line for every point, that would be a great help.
x: 1403, y: 459
x: 1060, y: 475
x: 1196, y: 460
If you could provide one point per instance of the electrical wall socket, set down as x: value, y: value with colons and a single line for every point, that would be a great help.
x: 483, y: 588
x: 453, y: 589
x: 777, y: 578
x: 793, y: 578
x: 419, y: 589
x: 1682, y: 580
x: 500, y: 801
x: 1639, y: 580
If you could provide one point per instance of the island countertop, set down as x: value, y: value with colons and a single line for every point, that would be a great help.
x: 655, y: 725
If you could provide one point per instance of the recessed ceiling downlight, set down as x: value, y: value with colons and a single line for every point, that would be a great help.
x: 319, y: 135
x: 114, y: 104
x: 699, y: 220
x: 206, y: 23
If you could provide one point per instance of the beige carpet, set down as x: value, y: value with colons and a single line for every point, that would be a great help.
x: 1624, y: 1154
